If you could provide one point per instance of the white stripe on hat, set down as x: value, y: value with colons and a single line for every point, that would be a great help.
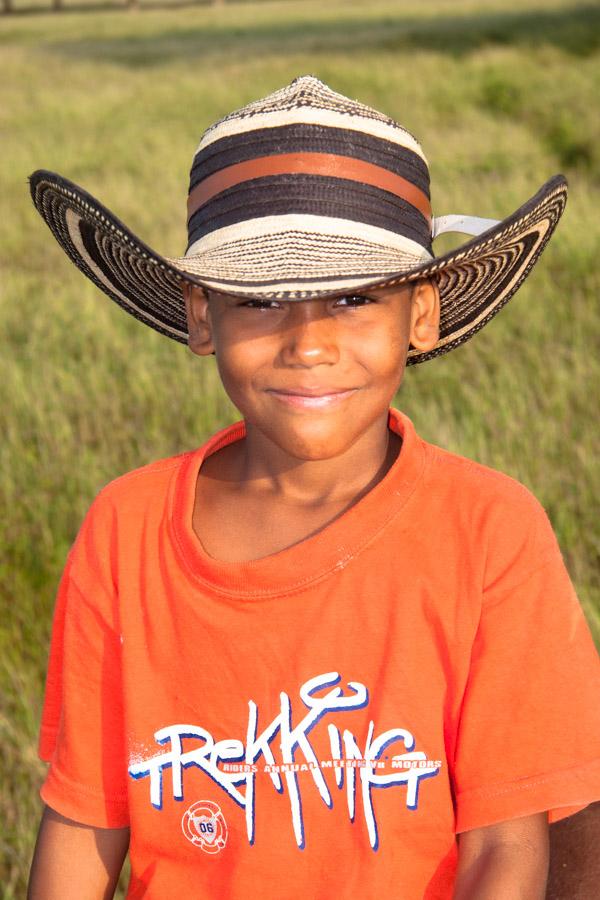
x: 310, y: 115
x: 313, y: 226
x: 289, y: 287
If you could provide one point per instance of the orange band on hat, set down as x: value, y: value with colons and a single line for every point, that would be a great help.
x: 327, y: 164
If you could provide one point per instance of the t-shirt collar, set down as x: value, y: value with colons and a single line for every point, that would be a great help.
x: 312, y: 560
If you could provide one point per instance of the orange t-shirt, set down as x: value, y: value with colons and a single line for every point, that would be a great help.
x: 323, y: 721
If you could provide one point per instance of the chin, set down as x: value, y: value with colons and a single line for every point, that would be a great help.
x: 314, y: 444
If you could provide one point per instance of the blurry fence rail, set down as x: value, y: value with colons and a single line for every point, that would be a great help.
x: 9, y: 6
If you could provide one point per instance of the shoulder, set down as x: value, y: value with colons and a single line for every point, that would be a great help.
x: 145, y: 482
x: 491, y: 512
x: 120, y: 512
x: 154, y: 480
x: 472, y: 481
x: 130, y: 502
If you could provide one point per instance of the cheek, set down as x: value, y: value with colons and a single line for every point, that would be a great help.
x: 232, y: 371
x: 240, y: 364
x: 384, y: 350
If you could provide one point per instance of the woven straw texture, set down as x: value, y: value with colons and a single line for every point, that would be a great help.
x: 294, y: 235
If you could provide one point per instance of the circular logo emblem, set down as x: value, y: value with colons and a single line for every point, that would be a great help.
x: 203, y: 824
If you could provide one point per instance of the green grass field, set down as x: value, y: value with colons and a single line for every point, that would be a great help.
x: 501, y: 94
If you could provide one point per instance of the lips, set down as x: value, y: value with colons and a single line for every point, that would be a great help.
x: 311, y: 392
x: 312, y: 398
x: 305, y: 393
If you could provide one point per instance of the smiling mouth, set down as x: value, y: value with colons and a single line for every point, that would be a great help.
x: 311, y: 400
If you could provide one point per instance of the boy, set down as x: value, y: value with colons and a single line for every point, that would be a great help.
x: 302, y: 659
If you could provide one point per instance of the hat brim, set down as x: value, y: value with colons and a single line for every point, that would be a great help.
x: 475, y: 280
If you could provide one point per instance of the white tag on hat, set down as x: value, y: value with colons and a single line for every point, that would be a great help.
x: 462, y: 224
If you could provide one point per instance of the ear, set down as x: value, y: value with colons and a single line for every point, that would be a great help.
x: 425, y: 315
x: 198, y: 319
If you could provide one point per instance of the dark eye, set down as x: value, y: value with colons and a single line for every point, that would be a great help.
x: 353, y: 300
x: 260, y: 304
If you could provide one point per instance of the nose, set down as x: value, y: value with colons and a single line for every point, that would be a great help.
x: 310, y: 335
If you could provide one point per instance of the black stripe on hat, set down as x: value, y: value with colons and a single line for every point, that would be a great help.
x: 304, y: 138
x: 315, y: 195
x: 89, y: 236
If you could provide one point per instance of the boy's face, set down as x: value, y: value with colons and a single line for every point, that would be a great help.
x: 313, y: 376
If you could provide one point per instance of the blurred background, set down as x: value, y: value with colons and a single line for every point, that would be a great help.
x: 502, y: 94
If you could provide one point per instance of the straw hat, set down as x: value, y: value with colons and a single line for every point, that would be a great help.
x: 305, y: 193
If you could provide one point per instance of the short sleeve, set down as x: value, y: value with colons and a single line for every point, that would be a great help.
x: 529, y: 732
x: 81, y: 732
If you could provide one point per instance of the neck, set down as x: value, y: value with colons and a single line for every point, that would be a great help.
x: 309, y: 482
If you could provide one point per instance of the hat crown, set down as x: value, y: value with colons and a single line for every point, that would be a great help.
x: 306, y: 160
x: 308, y: 100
